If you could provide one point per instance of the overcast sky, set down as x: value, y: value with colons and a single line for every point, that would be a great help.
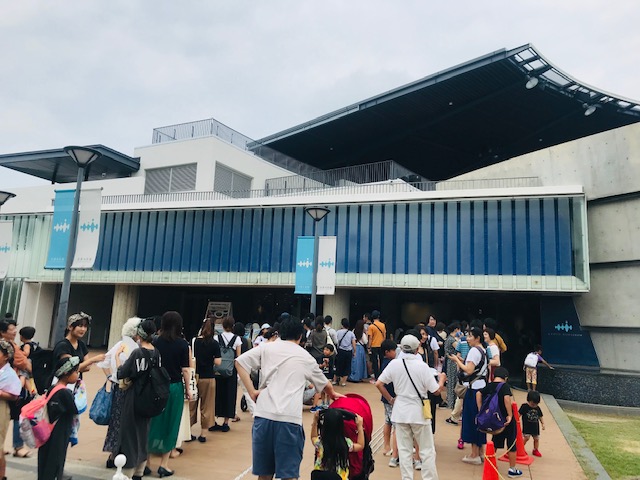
x: 87, y: 72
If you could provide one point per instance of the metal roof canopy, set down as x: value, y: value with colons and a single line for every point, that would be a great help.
x: 455, y: 121
x: 58, y: 167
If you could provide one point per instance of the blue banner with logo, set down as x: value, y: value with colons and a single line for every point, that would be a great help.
x: 564, y: 342
x: 304, y: 265
x: 60, y: 229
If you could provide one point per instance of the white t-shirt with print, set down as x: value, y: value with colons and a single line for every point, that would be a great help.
x: 475, y: 355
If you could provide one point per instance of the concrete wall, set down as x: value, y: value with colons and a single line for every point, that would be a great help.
x: 607, y: 165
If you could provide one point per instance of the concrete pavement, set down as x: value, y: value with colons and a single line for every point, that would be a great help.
x: 228, y: 455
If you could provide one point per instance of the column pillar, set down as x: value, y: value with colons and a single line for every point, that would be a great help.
x: 125, y: 306
x: 337, y: 306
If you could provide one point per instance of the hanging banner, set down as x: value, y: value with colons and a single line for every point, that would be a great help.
x: 88, y: 228
x: 304, y: 265
x: 60, y: 229
x: 6, y: 242
x: 326, y: 281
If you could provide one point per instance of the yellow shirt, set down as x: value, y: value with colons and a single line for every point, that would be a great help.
x: 377, y: 333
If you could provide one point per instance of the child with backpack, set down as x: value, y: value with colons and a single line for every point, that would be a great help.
x: 495, y: 416
x: 331, y: 444
x: 531, y: 366
x: 61, y: 409
x: 531, y: 416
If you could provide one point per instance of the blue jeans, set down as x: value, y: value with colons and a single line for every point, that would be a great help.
x: 17, y: 440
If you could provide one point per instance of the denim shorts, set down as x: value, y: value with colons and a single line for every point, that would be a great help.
x: 388, y: 408
x: 277, y: 448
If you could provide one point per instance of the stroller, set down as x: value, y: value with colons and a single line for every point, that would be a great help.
x: 360, y: 463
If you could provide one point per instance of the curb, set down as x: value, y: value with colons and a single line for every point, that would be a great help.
x: 581, y: 450
x: 597, y: 408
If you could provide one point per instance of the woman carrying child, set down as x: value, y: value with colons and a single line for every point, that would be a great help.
x: 61, y: 409
x: 331, y: 444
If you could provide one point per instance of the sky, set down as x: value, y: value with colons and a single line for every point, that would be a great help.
x: 90, y: 72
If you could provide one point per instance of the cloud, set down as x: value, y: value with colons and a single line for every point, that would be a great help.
x: 95, y: 72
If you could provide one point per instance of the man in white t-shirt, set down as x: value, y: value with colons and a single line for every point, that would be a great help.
x: 407, y: 413
x: 285, y: 371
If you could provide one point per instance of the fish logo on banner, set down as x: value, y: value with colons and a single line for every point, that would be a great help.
x: 6, y: 241
x: 304, y: 265
x: 326, y: 281
x: 88, y: 228
x: 61, y: 229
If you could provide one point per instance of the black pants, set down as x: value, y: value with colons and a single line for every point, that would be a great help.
x: 343, y: 363
x: 376, y: 360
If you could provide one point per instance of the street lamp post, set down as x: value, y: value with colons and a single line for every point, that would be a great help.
x: 82, y: 156
x: 317, y: 213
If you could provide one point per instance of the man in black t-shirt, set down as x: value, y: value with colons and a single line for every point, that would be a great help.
x: 508, y: 435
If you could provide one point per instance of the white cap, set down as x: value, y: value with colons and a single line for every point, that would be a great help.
x: 265, y: 325
x: 409, y: 344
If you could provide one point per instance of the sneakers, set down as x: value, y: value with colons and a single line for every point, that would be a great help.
x: 514, y: 472
x: 417, y: 465
x: 536, y: 453
x: 460, y: 444
x: 315, y: 409
x: 444, y: 405
x: 474, y: 461
x: 451, y: 421
x: 394, y: 462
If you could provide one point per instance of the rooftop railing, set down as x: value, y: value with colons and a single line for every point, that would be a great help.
x: 394, y: 186
x: 211, y: 127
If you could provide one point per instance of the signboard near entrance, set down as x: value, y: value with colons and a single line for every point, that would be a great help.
x: 217, y: 311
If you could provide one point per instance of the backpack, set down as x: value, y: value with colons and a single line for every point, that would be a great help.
x: 152, y: 389
x: 35, y: 428
x: 489, y: 418
x: 531, y: 360
x: 228, y: 355
x: 20, y: 359
x: 42, y: 368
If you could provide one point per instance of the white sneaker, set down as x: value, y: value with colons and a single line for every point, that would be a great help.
x: 472, y: 460
x: 417, y: 465
x: 394, y: 462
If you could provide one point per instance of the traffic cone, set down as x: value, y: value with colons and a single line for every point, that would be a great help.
x: 490, y: 471
x: 521, y: 454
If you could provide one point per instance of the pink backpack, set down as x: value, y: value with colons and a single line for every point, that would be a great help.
x: 35, y: 428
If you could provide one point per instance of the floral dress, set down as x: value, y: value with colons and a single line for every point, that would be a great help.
x: 343, y: 472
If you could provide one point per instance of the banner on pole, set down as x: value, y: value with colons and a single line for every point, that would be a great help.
x: 304, y: 265
x: 60, y: 229
x: 6, y: 244
x: 88, y: 229
x: 326, y: 281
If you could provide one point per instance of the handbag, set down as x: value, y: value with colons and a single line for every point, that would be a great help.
x: 426, y: 403
x: 193, y: 376
x: 100, y: 411
x: 460, y: 390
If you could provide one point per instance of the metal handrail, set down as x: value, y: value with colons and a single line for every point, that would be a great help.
x: 396, y: 186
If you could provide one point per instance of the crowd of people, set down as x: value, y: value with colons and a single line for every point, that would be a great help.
x: 278, y: 368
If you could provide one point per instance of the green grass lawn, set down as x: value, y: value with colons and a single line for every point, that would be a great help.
x: 615, y: 440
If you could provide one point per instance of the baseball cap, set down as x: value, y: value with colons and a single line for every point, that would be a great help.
x: 265, y: 325
x: 409, y: 343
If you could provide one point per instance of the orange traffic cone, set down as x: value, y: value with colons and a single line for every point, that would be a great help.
x: 490, y: 471
x: 521, y: 454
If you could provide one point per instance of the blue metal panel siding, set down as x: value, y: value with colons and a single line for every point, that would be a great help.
x: 477, y: 237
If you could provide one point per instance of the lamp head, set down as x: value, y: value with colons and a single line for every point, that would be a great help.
x: 588, y: 109
x: 4, y: 196
x: 317, y: 213
x: 83, y: 156
x: 531, y: 83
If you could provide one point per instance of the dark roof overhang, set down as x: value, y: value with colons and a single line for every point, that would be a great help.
x: 58, y: 167
x: 461, y: 119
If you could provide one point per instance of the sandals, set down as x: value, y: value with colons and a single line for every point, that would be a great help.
x: 235, y: 419
x: 176, y: 452
x: 22, y: 452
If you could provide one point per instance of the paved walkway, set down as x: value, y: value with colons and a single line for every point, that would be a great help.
x: 228, y: 455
